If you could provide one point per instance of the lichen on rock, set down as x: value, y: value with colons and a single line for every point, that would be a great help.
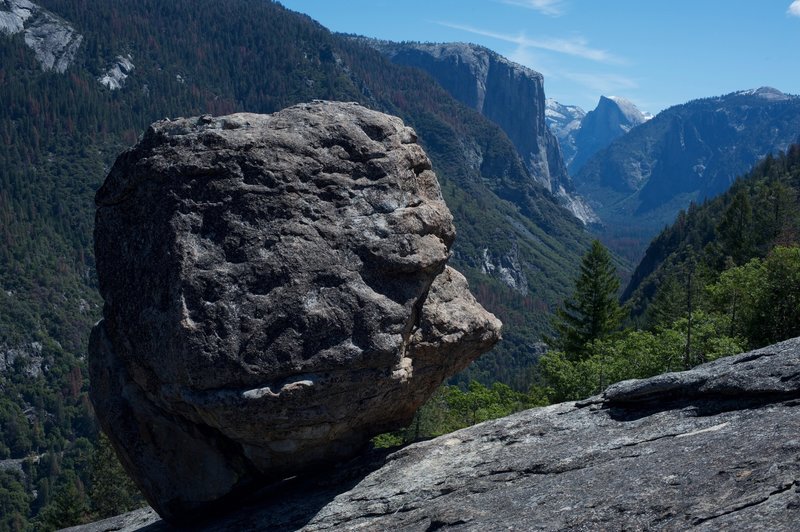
x: 276, y: 293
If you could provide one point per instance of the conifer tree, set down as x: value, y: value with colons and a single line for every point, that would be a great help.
x: 593, y: 312
x: 112, y: 491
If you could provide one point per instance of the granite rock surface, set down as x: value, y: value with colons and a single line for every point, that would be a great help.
x: 714, y: 448
x: 276, y: 293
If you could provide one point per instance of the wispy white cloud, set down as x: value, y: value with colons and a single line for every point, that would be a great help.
x: 554, y: 8
x: 794, y: 9
x: 530, y: 58
x: 575, y: 46
x: 603, y: 83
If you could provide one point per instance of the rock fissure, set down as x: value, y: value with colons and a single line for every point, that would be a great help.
x: 748, y: 504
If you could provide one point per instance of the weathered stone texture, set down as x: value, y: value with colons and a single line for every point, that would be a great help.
x: 276, y: 293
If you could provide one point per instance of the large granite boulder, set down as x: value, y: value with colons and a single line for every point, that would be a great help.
x: 714, y: 448
x: 276, y: 293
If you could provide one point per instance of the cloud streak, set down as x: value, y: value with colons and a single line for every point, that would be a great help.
x: 546, y: 7
x: 602, y: 83
x: 794, y: 9
x: 576, y: 46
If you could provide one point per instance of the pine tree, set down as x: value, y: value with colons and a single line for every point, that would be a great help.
x: 112, y: 491
x: 593, y: 312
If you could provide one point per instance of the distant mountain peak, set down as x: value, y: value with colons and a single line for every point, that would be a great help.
x: 613, y: 117
x: 632, y: 114
x: 689, y: 152
x: 766, y: 93
x: 564, y: 122
x: 507, y: 93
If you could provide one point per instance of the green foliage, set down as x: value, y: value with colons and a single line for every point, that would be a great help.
x: 112, y: 491
x: 14, y: 502
x: 69, y: 505
x: 761, y: 299
x: 452, y: 408
x: 735, y: 230
x: 593, y: 312
x: 760, y: 211
x: 586, y: 358
x: 636, y: 354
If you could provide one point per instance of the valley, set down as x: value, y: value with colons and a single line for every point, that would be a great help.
x: 692, y: 204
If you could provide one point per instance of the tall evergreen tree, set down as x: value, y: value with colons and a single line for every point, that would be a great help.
x: 593, y: 312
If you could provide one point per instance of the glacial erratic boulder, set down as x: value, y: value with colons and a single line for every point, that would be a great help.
x: 276, y: 293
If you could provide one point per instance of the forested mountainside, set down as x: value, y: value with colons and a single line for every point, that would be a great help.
x: 733, y: 234
x: 513, y: 239
x: 136, y: 62
x: 686, y: 153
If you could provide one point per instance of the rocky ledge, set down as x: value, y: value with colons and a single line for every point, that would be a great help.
x: 714, y: 448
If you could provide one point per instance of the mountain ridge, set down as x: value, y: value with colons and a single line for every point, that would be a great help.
x: 685, y: 154
x: 770, y: 190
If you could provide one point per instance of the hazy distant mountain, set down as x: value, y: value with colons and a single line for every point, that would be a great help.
x: 613, y: 117
x: 508, y: 94
x: 564, y: 121
x: 687, y: 153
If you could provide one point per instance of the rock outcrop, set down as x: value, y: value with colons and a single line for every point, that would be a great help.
x: 53, y: 40
x: 508, y: 94
x: 276, y: 293
x: 714, y: 448
x: 114, y: 78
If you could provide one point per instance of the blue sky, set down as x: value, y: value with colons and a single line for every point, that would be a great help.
x: 656, y: 53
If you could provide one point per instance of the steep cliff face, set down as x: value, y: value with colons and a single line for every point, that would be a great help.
x: 613, y: 117
x: 714, y: 448
x: 508, y: 94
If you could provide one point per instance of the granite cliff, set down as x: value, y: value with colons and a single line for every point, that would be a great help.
x: 276, y: 294
x: 713, y: 448
x: 509, y: 94
x: 613, y: 117
x: 54, y: 41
